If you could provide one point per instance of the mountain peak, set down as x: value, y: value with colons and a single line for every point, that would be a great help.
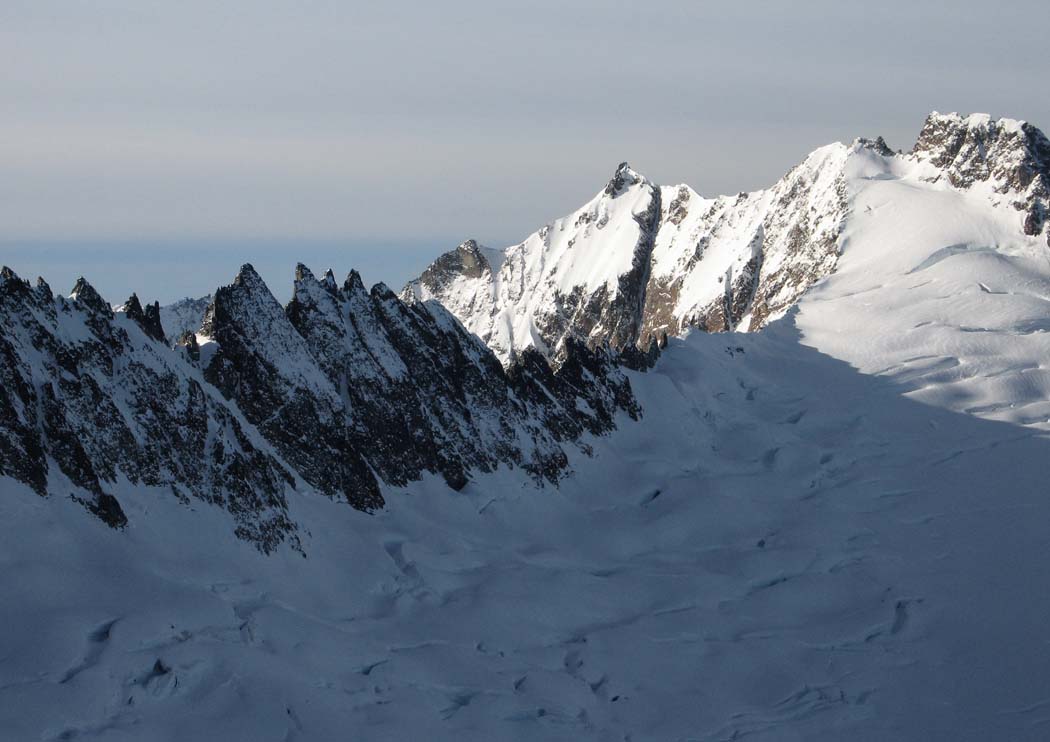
x: 10, y: 283
x: 624, y: 177
x: 249, y: 277
x: 84, y: 294
x: 132, y: 305
x: 303, y: 273
x: 1012, y: 157
x: 382, y: 292
x: 944, y: 135
x: 353, y: 285
x: 972, y: 121
x: 147, y: 319
x: 877, y: 145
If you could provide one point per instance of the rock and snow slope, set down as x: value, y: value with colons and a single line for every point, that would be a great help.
x: 830, y: 529
x: 184, y: 316
x: 641, y: 260
x: 337, y: 392
x: 944, y: 278
x: 784, y: 549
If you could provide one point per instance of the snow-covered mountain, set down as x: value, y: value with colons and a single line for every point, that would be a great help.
x: 640, y: 260
x: 822, y: 519
x: 339, y: 391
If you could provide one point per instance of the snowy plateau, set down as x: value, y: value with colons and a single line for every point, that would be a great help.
x: 770, y: 466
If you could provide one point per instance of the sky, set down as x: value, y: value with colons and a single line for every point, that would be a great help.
x: 155, y: 146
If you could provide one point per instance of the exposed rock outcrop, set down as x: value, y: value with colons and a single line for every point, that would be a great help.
x: 344, y: 391
x: 89, y: 399
x: 1011, y: 158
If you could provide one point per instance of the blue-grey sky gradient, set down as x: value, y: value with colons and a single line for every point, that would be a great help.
x: 162, y: 143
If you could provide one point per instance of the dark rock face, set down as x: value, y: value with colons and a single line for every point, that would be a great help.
x: 263, y: 365
x: 148, y: 320
x: 622, y: 178
x: 425, y: 395
x: 107, y: 509
x: 342, y: 391
x: 188, y: 341
x: 466, y: 260
x: 877, y: 145
x: 581, y: 396
x: 90, y: 398
x: 1012, y: 157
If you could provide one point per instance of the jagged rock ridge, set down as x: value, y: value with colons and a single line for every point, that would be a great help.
x: 89, y: 397
x: 342, y: 392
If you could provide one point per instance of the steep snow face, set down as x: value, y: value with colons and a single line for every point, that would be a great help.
x: 738, y: 262
x: 580, y: 276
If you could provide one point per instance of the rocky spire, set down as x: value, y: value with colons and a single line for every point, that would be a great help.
x: 85, y: 295
x: 148, y: 319
x: 188, y: 340
x: 302, y: 273
x: 353, y: 285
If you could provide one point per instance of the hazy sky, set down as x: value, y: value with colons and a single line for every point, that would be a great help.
x: 156, y: 145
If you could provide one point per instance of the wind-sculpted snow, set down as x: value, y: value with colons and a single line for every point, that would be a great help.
x: 343, y: 392
x: 940, y: 287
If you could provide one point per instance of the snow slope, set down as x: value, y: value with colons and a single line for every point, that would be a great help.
x: 939, y: 287
x: 785, y: 549
x: 185, y: 315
